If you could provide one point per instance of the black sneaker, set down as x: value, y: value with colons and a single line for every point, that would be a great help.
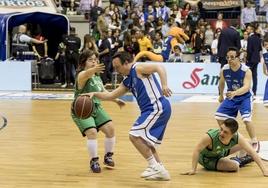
x: 108, y: 160
x: 243, y: 160
x: 94, y: 165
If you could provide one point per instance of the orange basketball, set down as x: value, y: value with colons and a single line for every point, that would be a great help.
x: 83, y: 107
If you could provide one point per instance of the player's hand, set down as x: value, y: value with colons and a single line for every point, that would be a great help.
x: 230, y: 94
x: 99, y: 68
x: 191, y: 172
x: 120, y: 103
x: 220, y: 99
x: 265, y: 173
x: 166, y: 91
x: 90, y: 95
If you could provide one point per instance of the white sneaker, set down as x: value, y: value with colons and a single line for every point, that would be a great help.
x: 151, y: 170
x: 64, y: 85
x: 162, y: 176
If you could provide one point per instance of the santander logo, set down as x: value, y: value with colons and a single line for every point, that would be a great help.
x: 195, y: 79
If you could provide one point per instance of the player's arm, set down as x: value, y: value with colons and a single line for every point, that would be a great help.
x: 245, y: 88
x: 249, y: 149
x: 204, y: 142
x: 265, y: 72
x: 121, y: 103
x: 83, y: 76
x: 221, y: 86
x: 106, y: 95
x: 148, y: 69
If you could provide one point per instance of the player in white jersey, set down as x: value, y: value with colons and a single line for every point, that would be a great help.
x: 148, y: 130
x: 239, y: 96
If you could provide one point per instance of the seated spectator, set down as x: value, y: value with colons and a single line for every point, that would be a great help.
x: 158, y: 43
x: 177, y: 55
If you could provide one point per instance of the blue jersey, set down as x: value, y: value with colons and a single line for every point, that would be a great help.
x: 235, y: 80
x: 265, y: 57
x: 147, y: 90
x: 166, y: 48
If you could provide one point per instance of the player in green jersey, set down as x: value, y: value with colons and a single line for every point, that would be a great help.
x: 87, y: 80
x: 212, y: 150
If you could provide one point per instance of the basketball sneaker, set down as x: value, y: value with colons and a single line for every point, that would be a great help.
x: 243, y: 160
x: 151, y: 170
x: 94, y: 165
x: 108, y: 160
x: 163, y: 175
x: 256, y: 146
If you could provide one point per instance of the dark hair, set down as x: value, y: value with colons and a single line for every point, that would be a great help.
x: 232, y: 48
x: 231, y: 124
x: 83, y: 59
x: 124, y: 57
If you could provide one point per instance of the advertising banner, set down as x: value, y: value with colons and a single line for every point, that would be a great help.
x: 217, y: 4
x: 200, y: 78
x: 10, y: 6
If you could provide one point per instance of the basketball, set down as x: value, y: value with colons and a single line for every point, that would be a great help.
x: 83, y: 107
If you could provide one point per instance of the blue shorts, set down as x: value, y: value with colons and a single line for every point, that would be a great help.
x: 265, y: 97
x: 151, y: 124
x: 230, y: 108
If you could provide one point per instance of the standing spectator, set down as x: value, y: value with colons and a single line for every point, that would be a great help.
x: 105, y: 57
x: 253, y: 54
x: 248, y: 15
x: 228, y: 37
x: 21, y: 41
x: 214, y: 46
x: 244, y: 44
x: 61, y: 64
x: 40, y: 50
x: 89, y: 44
x: 219, y: 23
x: 73, y: 44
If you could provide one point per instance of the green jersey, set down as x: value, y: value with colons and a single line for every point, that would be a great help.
x: 218, y: 148
x: 94, y: 84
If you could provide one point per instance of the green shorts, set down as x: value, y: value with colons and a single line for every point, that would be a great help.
x: 210, y: 163
x: 98, y: 118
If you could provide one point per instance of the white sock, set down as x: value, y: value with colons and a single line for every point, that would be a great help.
x: 109, y: 144
x: 151, y: 161
x: 92, y: 147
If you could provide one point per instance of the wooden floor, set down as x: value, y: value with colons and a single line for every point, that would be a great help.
x: 42, y: 147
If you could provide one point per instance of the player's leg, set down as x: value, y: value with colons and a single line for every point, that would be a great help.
x: 227, y: 109
x: 88, y: 128
x: 246, y: 113
x: 227, y: 165
x: 105, y: 125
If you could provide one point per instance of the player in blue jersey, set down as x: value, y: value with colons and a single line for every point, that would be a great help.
x: 239, y: 96
x: 265, y: 71
x: 148, y: 130
x: 175, y: 35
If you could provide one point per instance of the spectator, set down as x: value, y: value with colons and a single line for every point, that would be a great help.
x: 40, y: 50
x: 21, y: 41
x: 214, y: 46
x: 145, y: 43
x: 248, y: 15
x: 89, y: 44
x: 219, y: 23
x: 177, y: 55
x: 61, y: 64
x: 73, y: 44
x: 254, y: 48
x: 244, y: 44
x: 185, y: 11
x: 158, y: 43
x: 228, y: 37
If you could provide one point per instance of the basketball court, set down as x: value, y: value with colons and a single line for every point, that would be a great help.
x: 42, y: 147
